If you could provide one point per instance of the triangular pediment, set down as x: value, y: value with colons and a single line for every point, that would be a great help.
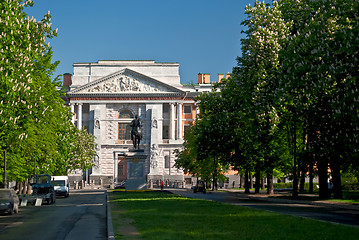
x: 123, y: 82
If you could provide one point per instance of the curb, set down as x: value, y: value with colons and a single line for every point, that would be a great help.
x: 110, y: 232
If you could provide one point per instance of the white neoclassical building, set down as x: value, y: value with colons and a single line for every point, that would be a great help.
x: 105, y: 97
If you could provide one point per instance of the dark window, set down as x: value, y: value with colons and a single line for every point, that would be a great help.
x: 125, y: 114
x: 165, y: 132
x: 187, y: 109
x: 166, y: 108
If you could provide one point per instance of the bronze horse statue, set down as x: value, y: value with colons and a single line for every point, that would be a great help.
x: 136, y: 132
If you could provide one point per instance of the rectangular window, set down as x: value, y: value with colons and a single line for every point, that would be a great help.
x: 187, y: 109
x: 124, y: 131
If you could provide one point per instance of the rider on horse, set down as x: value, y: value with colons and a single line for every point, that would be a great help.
x: 136, y: 133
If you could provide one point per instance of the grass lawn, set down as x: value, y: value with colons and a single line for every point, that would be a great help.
x: 161, y: 215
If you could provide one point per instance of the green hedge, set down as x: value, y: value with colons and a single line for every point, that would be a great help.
x: 350, y: 186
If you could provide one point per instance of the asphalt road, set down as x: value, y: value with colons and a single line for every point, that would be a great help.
x: 81, y: 216
x: 332, y: 213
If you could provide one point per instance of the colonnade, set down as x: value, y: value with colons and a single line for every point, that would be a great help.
x: 79, y: 114
x: 172, y: 126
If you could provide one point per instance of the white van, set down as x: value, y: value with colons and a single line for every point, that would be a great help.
x: 61, y: 185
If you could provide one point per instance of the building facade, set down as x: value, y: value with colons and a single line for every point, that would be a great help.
x: 107, y: 95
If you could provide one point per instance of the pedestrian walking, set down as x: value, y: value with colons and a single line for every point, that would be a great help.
x: 162, y: 184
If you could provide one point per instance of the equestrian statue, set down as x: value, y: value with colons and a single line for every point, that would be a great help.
x: 136, y: 132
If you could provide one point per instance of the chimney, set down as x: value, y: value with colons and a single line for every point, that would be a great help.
x: 220, y: 77
x: 204, y: 78
x: 67, y: 80
x: 228, y: 75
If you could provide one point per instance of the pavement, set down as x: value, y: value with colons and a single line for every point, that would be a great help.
x: 284, y: 197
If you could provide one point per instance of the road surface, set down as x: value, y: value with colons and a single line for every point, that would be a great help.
x: 81, y: 216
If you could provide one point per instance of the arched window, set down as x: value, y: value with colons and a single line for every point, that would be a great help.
x: 125, y: 114
x: 124, y: 129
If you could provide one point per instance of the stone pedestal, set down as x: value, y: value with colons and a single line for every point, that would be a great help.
x: 136, y: 175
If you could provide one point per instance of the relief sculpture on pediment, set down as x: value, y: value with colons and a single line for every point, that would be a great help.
x: 124, y: 83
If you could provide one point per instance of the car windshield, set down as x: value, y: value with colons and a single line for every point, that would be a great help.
x: 42, y: 179
x: 5, y: 194
x: 59, y: 182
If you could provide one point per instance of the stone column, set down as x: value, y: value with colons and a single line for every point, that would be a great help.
x: 179, y: 119
x: 172, y: 121
x: 72, y: 105
x: 79, y: 116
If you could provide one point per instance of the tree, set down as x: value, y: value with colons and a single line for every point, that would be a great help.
x: 320, y: 79
x: 204, y: 144
x: 258, y: 68
x: 33, y: 118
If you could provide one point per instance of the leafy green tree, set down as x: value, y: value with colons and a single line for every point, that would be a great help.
x: 204, y: 145
x: 320, y: 79
x: 34, y: 122
x: 258, y: 68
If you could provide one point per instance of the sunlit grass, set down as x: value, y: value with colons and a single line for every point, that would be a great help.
x: 345, y: 201
x: 161, y: 215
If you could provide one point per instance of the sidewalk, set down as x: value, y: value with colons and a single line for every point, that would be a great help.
x: 284, y: 197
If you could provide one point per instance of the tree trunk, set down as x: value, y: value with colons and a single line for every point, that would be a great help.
x: 302, y: 180
x: 337, y: 183
x: 251, y: 180
x: 21, y: 184
x: 214, y: 187
x: 311, y: 174
x: 242, y: 182
x: 258, y: 180
x: 29, y: 187
x: 24, y: 188
x: 246, y: 183
x: 270, y: 188
x: 263, y: 183
x: 295, y: 168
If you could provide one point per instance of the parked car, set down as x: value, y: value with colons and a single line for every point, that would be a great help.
x: 61, y: 185
x: 9, y: 201
x: 199, y: 187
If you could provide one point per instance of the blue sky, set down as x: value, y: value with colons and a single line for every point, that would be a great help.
x: 201, y: 35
